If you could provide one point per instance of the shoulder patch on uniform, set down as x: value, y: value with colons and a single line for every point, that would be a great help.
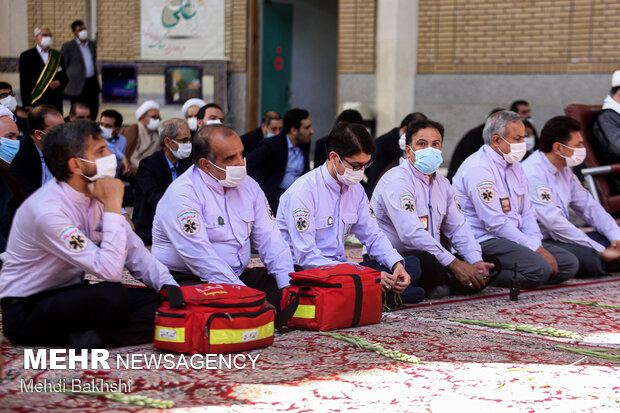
x: 370, y: 210
x: 486, y: 191
x: 301, y: 216
x: 407, y: 202
x: 458, y: 205
x: 269, y: 210
x: 73, y: 238
x: 190, y: 222
x: 544, y: 193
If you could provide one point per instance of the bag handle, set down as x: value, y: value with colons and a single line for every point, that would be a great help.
x: 285, y: 314
x: 175, y: 296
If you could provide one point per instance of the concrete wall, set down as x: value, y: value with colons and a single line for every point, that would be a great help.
x: 13, y: 27
x: 461, y: 102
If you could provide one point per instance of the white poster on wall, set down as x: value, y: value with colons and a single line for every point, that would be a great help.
x: 182, y: 29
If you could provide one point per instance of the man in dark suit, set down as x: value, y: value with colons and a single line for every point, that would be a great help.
x: 270, y: 126
x: 388, y: 150
x: 41, y: 60
x: 28, y: 167
x: 157, y: 171
x: 280, y: 160
x: 80, y: 59
x: 346, y: 117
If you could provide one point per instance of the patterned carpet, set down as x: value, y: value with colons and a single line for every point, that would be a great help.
x: 474, y: 368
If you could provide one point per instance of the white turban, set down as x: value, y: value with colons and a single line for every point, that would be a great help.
x: 145, y: 107
x: 192, y: 102
x: 615, y: 79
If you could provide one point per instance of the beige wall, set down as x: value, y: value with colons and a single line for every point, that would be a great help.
x: 356, y: 36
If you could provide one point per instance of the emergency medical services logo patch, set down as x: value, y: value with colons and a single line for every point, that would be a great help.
x: 73, y: 239
x: 458, y: 205
x: 486, y: 191
x: 544, y: 193
x: 301, y: 217
x: 407, y: 202
x: 190, y: 223
x: 269, y: 210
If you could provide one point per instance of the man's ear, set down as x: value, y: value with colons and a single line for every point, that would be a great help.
x: 74, y: 166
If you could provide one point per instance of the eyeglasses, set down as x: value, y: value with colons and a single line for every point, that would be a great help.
x: 183, y: 140
x: 6, y: 95
x: 356, y: 167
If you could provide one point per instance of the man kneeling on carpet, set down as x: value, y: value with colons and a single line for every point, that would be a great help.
x: 207, y: 217
x: 415, y: 205
x: 70, y: 226
x: 322, y: 207
x: 554, y: 189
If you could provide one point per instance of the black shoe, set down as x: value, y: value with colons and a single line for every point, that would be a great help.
x: 88, y: 339
x: 439, y: 291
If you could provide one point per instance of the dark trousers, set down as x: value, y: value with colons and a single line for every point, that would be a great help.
x: 121, y: 315
x: 89, y: 96
x: 256, y: 277
x: 412, y: 266
x: 590, y: 262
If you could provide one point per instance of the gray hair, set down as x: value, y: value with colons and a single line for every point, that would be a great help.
x: 37, y: 30
x: 170, y: 128
x: 496, y: 124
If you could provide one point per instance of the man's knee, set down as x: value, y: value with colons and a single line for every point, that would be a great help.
x: 413, y: 268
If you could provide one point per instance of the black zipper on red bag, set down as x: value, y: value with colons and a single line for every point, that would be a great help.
x: 171, y: 315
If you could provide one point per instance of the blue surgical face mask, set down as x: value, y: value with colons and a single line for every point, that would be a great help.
x: 427, y: 160
x: 269, y: 135
x: 8, y: 149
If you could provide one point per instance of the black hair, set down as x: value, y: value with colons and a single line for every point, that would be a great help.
x: 66, y: 141
x: 76, y: 24
x: 201, y: 142
x: 77, y: 105
x: 411, y: 117
x: 293, y: 118
x: 557, y: 129
x: 515, y: 105
x: 612, y: 92
x: 269, y: 116
x: 420, y: 124
x: 5, y: 85
x: 111, y: 113
x: 37, y: 116
x: 349, y: 116
x: 349, y: 140
x: 203, y: 110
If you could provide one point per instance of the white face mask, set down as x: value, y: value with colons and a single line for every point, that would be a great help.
x: 517, y: 151
x: 213, y: 122
x: 579, y: 155
x: 401, y: 142
x: 9, y: 102
x: 83, y: 35
x: 184, y: 150
x: 530, y: 143
x: 192, y: 123
x: 234, y: 175
x: 153, y: 124
x: 349, y: 177
x: 46, y: 42
x: 106, y: 133
x: 106, y: 167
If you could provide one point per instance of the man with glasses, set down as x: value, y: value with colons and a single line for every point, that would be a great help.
x: 208, y: 217
x: 554, y: 189
x: 156, y: 173
x: 28, y: 167
x: 491, y: 187
x: 278, y: 161
x: 415, y: 205
x: 321, y: 208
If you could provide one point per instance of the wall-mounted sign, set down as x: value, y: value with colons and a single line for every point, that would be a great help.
x: 182, y: 29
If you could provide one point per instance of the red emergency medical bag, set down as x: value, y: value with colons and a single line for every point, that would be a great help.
x: 213, y: 318
x: 332, y: 297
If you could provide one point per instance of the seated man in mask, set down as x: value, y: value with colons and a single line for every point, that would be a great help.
x: 322, y: 207
x: 70, y: 226
x: 206, y: 219
x: 415, y: 205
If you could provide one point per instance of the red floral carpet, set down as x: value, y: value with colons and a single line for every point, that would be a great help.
x: 469, y: 367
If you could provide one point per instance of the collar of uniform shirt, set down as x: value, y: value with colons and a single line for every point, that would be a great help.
x: 423, y: 177
x: 330, y: 181
x: 497, y: 158
x: 550, y: 167
x: 78, y: 199
x: 209, y: 180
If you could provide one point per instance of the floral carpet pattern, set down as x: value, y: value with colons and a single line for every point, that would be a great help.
x: 475, y: 368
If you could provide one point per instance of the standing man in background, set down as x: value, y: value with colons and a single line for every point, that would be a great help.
x: 80, y: 58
